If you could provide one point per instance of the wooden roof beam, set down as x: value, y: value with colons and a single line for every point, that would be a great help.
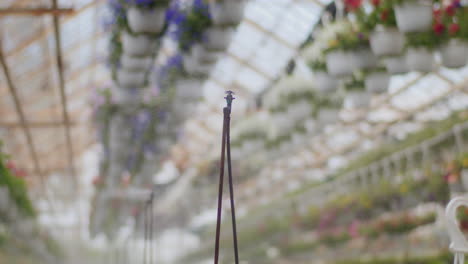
x: 35, y: 124
x: 22, y: 117
x: 63, y: 97
x: 37, y: 11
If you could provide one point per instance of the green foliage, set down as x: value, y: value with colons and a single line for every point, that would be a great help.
x: 352, y: 38
x: 318, y: 65
x: 196, y: 22
x: 355, y: 84
x: 382, y: 14
x: 16, y: 187
x: 427, y: 40
x: 443, y: 258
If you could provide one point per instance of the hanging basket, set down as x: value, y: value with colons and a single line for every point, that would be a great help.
x: 227, y: 12
x: 464, y: 179
x: 138, y: 45
x: 386, y: 41
x: 146, y: 20
x: 4, y: 199
x: 358, y: 99
x: 328, y: 116
x: 396, y: 65
x: 340, y: 63
x: 189, y: 89
x: 454, y: 54
x: 127, y: 96
x: 204, y: 55
x: 129, y: 79
x: 218, y: 38
x: 420, y: 59
x: 364, y: 59
x: 193, y: 66
x: 299, y: 110
x: 136, y: 63
x: 377, y: 82
x: 324, y: 82
x: 414, y: 16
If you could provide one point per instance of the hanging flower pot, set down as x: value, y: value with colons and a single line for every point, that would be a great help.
x: 464, y: 178
x: 364, y: 59
x: 386, y: 41
x: 299, y: 110
x: 340, y: 63
x: 328, y: 115
x: 377, y: 81
x: 324, y: 82
x: 127, y: 96
x: 129, y: 79
x: 4, y: 199
x: 357, y: 99
x: 420, y: 59
x: 356, y: 94
x: 193, y: 66
x: 414, y: 16
x: 454, y: 53
x: 227, y: 12
x: 136, y: 63
x: 396, y: 65
x: 191, y: 88
x: 138, y: 45
x: 146, y: 20
x: 218, y: 38
x: 204, y: 55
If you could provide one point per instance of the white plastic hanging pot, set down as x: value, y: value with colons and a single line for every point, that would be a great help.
x: 129, y: 79
x: 4, y: 199
x: 414, y: 16
x: 227, y: 12
x: 203, y: 55
x: 146, y: 20
x: 396, y: 65
x: 464, y: 179
x: 364, y: 59
x: 218, y: 38
x: 324, y: 82
x: 420, y: 59
x: 328, y: 115
x: 193, y: 66
x: 136, y: 63
x: 127, y: 96
x: 138, y: 45
x: 189, y: 89
x: 386, y: 41
x: 454, y: 54
x: 299, y: 110
x: 377, y: 82
x: 340, y: 63
x: 357, y: 99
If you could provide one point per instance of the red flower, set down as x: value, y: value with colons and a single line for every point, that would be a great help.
x: 376, y: 2
x: 10, y: 165
x: 450, y: 10
x: 352, y: 5
x: 454, y: 28
x: 438, y: 28
x: 20, y: 173
x: 384, y: 15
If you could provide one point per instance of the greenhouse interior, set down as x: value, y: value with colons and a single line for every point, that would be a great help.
x: 233, y: 131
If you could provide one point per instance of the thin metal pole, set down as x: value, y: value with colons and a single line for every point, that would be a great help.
x: 231, y: 188
x: 220, y: 191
